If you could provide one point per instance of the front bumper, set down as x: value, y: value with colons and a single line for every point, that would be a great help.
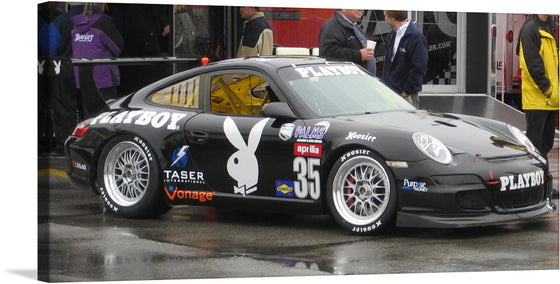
x: 473, y: 193
x: 406, y: 219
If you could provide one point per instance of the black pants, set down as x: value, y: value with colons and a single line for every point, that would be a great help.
x: 57, y: 103
x: 541, y: 126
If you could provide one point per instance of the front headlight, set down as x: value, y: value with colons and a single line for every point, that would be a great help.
x: 432, y: 147
x: 522, y: 139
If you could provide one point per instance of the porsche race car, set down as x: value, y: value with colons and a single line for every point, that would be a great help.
x: 305, y: 135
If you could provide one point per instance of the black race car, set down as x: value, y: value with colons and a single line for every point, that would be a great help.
x: 305, y: 135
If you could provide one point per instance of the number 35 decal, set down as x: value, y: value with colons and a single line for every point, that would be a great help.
x: 309, y: 180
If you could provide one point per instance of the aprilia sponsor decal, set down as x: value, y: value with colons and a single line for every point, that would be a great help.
x: 167, y: 120
x: 522, y: 181
x: 306, y: 149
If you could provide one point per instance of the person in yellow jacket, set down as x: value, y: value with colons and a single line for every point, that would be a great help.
x: 538, y: 60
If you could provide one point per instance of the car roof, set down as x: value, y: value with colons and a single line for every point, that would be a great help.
x: 268, y: 62
x: 278, y: 61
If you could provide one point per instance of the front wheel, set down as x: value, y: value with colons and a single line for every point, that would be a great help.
x: 361, y: 193
x: 129, y: 179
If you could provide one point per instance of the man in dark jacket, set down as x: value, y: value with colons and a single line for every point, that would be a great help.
x: 96, y: 36
x: 340, y: 39
x: 406, y: 56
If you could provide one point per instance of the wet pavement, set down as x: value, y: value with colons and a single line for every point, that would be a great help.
x: 77, y: 242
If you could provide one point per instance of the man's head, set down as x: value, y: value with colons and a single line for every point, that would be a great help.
x: 354, y: 15
x: 248, y: 12
x: 395, y: 19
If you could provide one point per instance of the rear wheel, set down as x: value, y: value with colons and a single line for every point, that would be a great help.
x: 361, y: 193
x: 129, y: 178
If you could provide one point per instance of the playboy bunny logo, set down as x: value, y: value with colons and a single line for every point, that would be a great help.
x: 243, y: 166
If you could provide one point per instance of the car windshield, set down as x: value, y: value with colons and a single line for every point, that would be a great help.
x: 341, y: 89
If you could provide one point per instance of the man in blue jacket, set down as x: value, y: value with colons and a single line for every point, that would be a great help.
x: 406, y: 56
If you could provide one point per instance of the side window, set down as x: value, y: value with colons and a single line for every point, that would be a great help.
x: 183, y: 94
x: 240, y: 93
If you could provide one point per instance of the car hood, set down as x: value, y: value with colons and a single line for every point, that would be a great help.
x: 459, y: 133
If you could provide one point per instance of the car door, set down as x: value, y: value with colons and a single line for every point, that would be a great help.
x: 242, y: 154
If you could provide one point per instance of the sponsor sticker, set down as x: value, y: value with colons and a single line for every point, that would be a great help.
x: 367, y: 228
x: 167, y: 120
x: 414, y: 186
x: 174, y: 176
x: 286, y: 131
x: 306, y: 149
x: 522, y: 181
x: 354, y: 153
x: 79, y: 165
x: 285, y: 188
x: 360, y: 136
x: 200, y: 196
x: 322, y: 71
x: 180, y: 159
x: 243, y: 165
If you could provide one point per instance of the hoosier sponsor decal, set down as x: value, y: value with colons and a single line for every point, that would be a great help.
x: 522, y: 181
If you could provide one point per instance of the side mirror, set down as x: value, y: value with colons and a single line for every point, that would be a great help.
x: 278, y: 110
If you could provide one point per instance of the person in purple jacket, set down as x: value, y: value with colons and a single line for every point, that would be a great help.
x: 406, y: 56
x: 96, y: 36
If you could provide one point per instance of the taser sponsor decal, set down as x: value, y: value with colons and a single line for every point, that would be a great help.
x: 180, y: 159
x: 166, y: 120
x: 522, y: 181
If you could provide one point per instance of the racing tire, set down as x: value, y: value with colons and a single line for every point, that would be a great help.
x: 128, y: 176
x: 361, y: 193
